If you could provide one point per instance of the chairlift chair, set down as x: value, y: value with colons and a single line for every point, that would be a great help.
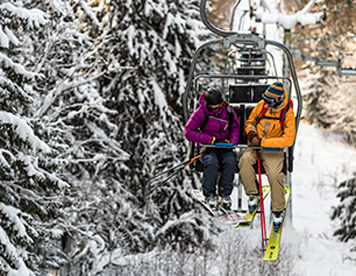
x: 296, y: 47
x: 325, y: 52
x: 346, y: 65
x: 242, y: 91
x: 249, y: 62
x: 307, y: 48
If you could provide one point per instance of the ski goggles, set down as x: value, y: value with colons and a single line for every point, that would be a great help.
x: 272, y: 101
x: 215, y: 107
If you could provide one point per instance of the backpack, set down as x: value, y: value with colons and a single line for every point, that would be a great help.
x: 230, y: 117
x: 282, y: 117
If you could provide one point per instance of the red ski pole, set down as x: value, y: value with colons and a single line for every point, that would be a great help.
x: 262, y: 208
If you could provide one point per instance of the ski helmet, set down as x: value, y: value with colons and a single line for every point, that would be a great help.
x: 213, y: 96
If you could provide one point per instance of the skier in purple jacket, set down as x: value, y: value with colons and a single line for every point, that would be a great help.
x: 216, y: 130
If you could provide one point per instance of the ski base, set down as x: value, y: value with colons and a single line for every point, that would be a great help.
x: 250, y: 216
x: 272, y: 249
x: 224, y: 217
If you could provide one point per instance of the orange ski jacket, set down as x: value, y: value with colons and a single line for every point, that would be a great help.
x: 269, y: 128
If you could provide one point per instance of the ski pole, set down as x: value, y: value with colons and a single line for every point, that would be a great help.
x: 166, y: 171
x: 177, y: 169
x: 262, y: 207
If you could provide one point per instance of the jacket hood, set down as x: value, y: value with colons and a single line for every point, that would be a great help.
x: 205, y: 108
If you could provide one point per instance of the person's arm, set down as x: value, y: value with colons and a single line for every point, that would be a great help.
x: 191, y: 131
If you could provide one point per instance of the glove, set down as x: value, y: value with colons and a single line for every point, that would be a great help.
x: 250, y: 135
x: 255, y: 142
x: 213, y: 141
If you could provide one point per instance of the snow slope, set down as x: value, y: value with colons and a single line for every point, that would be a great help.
x: 322, y: 161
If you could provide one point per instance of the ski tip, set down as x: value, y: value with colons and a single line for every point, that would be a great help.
x: 243, y: 224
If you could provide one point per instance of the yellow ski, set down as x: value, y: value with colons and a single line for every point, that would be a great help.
x: 272, y: 249
x: 250, y: 216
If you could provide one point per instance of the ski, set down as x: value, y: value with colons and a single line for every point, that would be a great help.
x: 225, y: 217
x: 250, y: 216
x: 272, y: 249
x: 236, y: 218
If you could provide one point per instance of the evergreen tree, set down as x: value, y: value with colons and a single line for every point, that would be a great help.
x: 147, y: 48
x: 69, y: 103
x: 28, y: 199
x: 153, y: 43
x: 111, y: 102
x: 345, y: 211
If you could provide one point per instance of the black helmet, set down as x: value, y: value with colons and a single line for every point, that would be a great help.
x: 213, y: 96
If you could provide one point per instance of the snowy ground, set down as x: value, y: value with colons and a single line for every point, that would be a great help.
x: 322, y: 161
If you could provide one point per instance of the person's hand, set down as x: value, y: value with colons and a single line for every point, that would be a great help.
x: 255, y: 142
x: 250, y: 135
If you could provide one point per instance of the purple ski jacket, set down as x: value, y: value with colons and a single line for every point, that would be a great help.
x: 217, y: 125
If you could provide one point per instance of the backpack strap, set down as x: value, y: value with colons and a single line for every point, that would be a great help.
x: 282, y: 117
x: 263, y: 112
x: 230, y: 119
x: 205, y: 122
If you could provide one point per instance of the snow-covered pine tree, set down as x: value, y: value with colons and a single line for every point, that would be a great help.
x: 345, y: 211
x: 151, y: 48
x: 28, y: 187
x: 121, y: 127
x: 69, y: 103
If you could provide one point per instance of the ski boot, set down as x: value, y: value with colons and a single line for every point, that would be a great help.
x: 212, y: 202
x: 252, y: 203
x: 225, y: 202
x: 277, y: 220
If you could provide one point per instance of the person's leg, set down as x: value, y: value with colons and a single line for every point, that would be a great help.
x: 228, y: 168
x: 247, y: 171
x: 273, y: 164
x: 211, y: 167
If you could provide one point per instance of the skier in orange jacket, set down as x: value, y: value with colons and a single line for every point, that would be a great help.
x: 271, y: 125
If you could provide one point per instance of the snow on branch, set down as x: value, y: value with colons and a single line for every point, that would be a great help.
x: 7, y: 36
x: 17, y: 68
x: 89, y: 12
x: 14, y: 215
x: 34, y: 18
x: 24, y: 131
x: 5, y: 242
x: 3, y: 161
x: 13, y: 88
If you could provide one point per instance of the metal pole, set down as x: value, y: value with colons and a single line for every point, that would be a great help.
x: 287, y: 43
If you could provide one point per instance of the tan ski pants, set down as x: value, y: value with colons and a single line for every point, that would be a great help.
x: 272, y: 162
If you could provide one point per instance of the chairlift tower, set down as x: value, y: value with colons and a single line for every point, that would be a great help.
x: 288, y: 21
